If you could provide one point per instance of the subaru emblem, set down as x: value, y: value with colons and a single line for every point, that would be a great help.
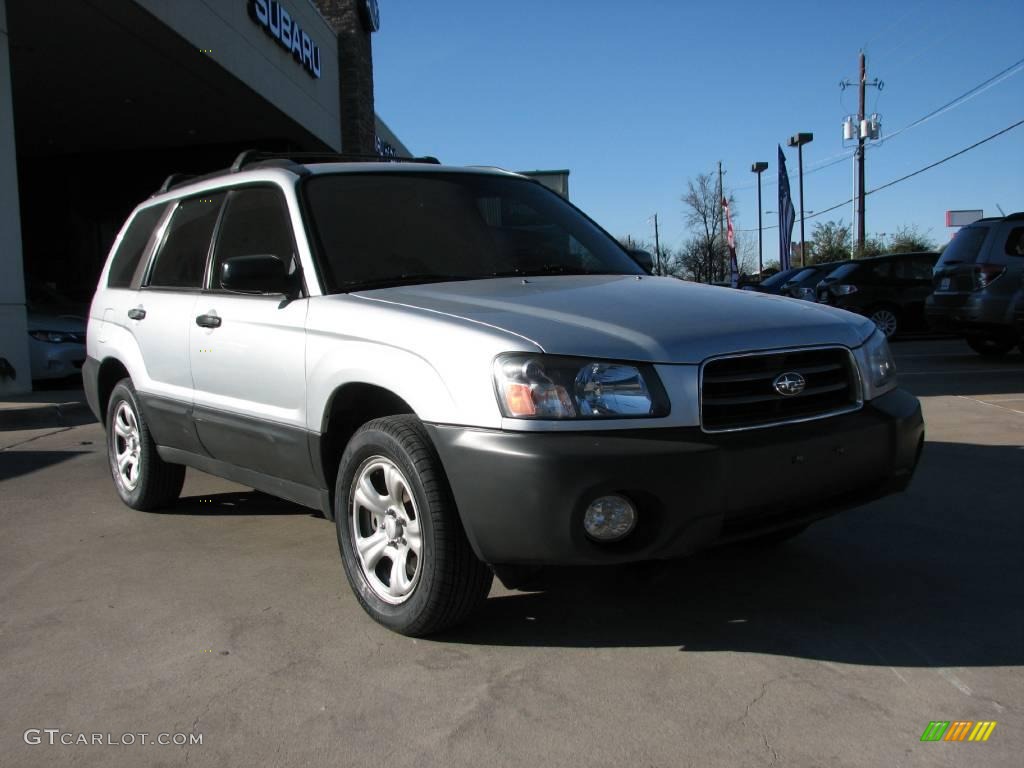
x: 789, y: 384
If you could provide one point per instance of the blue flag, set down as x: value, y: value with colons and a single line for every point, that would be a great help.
x: 787, y: 215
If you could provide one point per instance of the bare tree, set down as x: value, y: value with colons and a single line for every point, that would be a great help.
x: 704, y: 218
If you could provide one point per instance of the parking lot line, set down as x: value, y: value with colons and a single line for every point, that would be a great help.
x: 969, y: 371
x: 990, y: 404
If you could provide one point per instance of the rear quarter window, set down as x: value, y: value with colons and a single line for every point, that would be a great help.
x: 1015, y: 242
x: 129, y: 251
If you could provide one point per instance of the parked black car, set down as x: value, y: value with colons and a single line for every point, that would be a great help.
x: 774, y: 283
x: 975, y: 282
x: 890, y: 290
x: 803, y: 285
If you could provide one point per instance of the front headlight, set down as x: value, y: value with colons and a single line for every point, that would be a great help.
x: 56, y: 337
x: 531, y: 386
x: 880, y: 368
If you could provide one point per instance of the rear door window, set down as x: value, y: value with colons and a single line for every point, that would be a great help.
x: 132, y: 246
x: 181, y: 261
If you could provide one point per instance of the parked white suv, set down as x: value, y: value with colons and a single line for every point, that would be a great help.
x: 471, y: 377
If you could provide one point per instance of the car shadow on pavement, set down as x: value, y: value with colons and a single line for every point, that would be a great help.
x: 963, y: 374
x: 18, y: 463
x: 236, y: 503
x: 933, y: 578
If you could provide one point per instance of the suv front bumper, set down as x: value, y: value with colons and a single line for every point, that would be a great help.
x: 522, y: 495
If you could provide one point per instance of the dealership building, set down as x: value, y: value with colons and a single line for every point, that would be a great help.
x: 100, y: 100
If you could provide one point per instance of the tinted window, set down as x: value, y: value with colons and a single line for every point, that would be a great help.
x: 803, y: 274
x: 921, y: 267
x: 255, y: 222
x: 389, y: 228
x: 843, y: 272
x: 1015, y: 242
x: 965, y: 246
x: 779, y: 278
x: 879, y: 271
x: 129, y: 252
x: 181, y: 261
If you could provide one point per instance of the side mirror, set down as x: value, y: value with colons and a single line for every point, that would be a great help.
x: 643, y: 259
x: 258, y: 273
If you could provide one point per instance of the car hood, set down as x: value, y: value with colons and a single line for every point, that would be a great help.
x: 52, y: 321
x: 653, y: 319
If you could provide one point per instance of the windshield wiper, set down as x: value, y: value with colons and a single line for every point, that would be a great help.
x: 406, y: 279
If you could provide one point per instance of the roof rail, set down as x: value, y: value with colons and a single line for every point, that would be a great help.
x: 252, y: 156
x: 1015, y: 216
x: 174, y: 180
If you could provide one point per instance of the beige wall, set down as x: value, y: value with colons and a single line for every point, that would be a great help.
x: 250, y: 54
x: 13, y: 331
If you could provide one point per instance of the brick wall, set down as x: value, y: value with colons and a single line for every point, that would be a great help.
x: 355, y: 74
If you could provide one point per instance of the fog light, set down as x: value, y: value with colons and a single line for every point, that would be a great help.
x: 610, y: 518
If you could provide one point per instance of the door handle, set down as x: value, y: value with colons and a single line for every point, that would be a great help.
x: 208, y: 321
x: 137, y: 313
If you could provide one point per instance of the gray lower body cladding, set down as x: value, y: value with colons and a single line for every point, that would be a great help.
x: 522, y: 496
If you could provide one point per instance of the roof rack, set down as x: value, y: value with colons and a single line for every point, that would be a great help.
x: 253, y: 156
x: 174, y: 180
x: 293, y: 161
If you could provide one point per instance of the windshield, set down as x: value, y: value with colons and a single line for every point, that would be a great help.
x: 844, y: 271
x: 964, y: 247
x: 778, y: 278
x: 373, y: 230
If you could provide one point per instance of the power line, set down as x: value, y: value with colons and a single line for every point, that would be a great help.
x: 963, y: 98
x: 919, y: 171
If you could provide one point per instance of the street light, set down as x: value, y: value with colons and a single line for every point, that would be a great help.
x: 759, y: 168
x: 798, y: 140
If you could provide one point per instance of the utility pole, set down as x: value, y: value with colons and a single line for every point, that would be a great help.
x: 860, y: 153
x: 863, y: 128
x: 657, y: 248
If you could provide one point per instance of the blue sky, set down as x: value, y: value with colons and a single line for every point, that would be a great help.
x: 636, y: 97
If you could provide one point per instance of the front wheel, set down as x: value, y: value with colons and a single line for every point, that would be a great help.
x: 991, y: 346
x: 403, y: 546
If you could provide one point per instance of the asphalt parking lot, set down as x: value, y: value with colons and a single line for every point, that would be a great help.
x: 229, y: 616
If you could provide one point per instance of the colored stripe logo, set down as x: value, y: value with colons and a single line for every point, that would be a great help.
x: 958, y: 730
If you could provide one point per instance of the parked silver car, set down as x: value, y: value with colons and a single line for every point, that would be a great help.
x: 470, y: 377
x: 975, y: 281
x: 56, y: 329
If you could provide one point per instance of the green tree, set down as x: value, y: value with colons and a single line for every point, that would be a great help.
x: 830, y: 241
x: 909, y: 239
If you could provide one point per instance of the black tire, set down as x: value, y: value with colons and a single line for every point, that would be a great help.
x: 452, y: 582
x: 991, y: 346
x: 158, y: 482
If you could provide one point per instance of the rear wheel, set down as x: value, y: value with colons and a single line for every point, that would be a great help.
x: 143, y: 480
x: 402, y: 543
x: 991, y: 346
x: 886, y: 319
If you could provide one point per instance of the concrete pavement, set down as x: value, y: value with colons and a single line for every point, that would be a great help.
x: 229, y: 616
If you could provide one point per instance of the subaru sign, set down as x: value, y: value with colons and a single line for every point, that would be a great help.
x: 284, y: 28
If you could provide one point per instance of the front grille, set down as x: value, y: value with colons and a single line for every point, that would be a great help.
x: 739, y: 393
